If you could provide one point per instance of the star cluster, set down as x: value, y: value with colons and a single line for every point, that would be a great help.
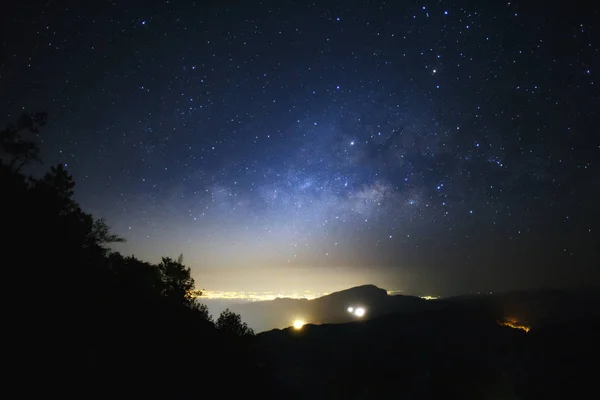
x: 426, y: 147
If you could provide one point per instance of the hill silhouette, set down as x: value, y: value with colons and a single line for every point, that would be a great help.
x: 458, y: 350
x: 534, y: 308
x: 331, y: 308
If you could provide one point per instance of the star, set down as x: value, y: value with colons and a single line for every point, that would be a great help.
x: 239, y: 122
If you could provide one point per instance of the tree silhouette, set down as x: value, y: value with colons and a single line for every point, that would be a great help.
x: 202, y: 311
x: 19, y: 150
x: 178, y: 284
x: 118, y: 317
x: 231, y: 323
x: 56, y: 188
x: 101, y: 234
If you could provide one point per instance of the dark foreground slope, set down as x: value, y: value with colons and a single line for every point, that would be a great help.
x: 456, y: 352
x: 83, y: 321
x: 537, y: 308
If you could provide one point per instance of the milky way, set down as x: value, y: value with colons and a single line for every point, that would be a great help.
x: 424, y: 147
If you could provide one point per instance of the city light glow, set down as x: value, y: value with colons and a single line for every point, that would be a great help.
x: 256, y: 296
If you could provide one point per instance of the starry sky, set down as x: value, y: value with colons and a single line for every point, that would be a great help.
x: 425, y: 147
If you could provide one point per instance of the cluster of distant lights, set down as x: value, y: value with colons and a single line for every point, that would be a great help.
x: 361, y: 311
x: 358, y: 311
x: 259, y: 296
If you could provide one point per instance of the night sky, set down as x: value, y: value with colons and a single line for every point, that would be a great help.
x: 426, y: 147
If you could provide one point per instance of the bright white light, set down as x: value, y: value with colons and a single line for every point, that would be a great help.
x: 359, y: 312
x: 350, y: 309
x: 298, y: 324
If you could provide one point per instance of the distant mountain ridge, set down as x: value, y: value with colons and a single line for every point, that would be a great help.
x: 331, y: 308
x: 455, y: 349
x: 534, y: 307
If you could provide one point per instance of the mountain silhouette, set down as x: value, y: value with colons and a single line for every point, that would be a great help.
x: 535, y: 308
x: 452, y: 348
x: 331, y: 308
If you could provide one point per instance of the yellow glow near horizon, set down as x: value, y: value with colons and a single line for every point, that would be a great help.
x: 257, y: 296
x: 298, y: 324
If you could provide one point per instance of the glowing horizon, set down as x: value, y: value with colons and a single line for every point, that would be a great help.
x: 251, y: 296
x: 259, y: 296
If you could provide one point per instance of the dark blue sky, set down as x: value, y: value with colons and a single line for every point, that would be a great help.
x: 430, y: 147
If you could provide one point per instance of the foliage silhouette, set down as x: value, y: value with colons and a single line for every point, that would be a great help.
x: 231, y: 323
x: 19, y: 150
x: 123, y: 322
x: 176, y: 279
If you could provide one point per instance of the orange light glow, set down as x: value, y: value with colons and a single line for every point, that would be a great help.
x: 514, y: 323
